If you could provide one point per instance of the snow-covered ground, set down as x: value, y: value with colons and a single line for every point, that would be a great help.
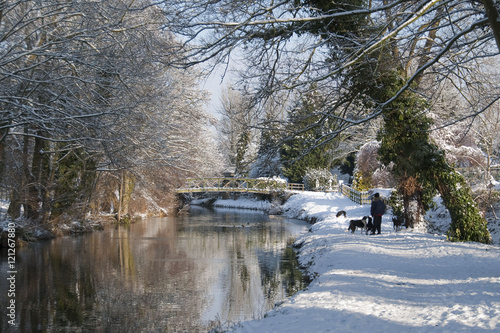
x: 406, y: 281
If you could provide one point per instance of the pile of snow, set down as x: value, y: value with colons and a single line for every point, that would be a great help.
x: 250, y: 203
x: 408, y: 281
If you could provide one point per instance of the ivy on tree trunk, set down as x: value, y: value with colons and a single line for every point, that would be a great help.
x: 406, y: 144
x: 467, y: 224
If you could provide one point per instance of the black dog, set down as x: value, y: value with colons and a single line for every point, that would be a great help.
x: 397, y: 223
x: 361, y: 224
x: 369, y: 225
x: 342, y: 212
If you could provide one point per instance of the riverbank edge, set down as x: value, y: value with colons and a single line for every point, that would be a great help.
x: 272, y: 204
x: 27, y: 231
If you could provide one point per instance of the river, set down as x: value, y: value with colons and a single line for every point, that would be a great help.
x: 175, y: 274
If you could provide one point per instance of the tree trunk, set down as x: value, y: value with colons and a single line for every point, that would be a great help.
x: 3, y: 133
x: 493, y: 18
x: 33, y: 200
x: 27, y: 181
x: 412, y: 201
x: 467, y: 224
x: 125, y: 192
x: 15, y: 204
x: 48, y: 176
x: 120, y: 197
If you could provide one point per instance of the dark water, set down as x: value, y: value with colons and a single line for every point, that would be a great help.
x: 183, y: 274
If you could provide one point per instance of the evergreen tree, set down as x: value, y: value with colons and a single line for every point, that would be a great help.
x: 242, y: 148
x: 74, y: 180
x: 405, y: 143
x: 268, y: 163
x: 307, y: 149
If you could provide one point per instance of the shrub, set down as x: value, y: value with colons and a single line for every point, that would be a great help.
x: 274, y: 183
x: 361, y: 182
x: 319, y: 180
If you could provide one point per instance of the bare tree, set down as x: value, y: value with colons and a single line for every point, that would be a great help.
x: 86, y: 88
x: 486, y: 131
x: 235, y: 126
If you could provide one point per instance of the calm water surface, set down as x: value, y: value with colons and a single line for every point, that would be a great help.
x: 183, y: 274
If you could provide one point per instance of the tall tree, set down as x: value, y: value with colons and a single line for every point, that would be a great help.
x: 234, y: 126
x: 268, y: 162
x: 306, y: 150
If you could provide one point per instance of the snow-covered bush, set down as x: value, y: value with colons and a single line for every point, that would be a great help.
x: 369, y: 171
x: 274, y: 183
x: 319, y: 180
x: 395, y: 202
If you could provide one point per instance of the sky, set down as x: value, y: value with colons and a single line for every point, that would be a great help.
x: 219, y: 77
x: 405, y: 281
x: 214, y: 86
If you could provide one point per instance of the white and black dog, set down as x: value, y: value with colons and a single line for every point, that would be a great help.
x: 366, y: 223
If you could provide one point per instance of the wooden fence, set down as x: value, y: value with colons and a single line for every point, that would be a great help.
x: 362, y: 198
x: 295, y: 187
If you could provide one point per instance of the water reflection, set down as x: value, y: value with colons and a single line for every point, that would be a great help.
x: 159, y: 275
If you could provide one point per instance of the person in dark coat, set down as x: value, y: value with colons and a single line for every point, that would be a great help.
x: 377, y: 210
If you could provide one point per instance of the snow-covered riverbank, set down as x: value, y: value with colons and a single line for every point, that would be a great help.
x: 409, y: 281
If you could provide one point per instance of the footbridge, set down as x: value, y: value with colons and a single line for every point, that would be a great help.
x: 265, y: 185
x: 250, y: 185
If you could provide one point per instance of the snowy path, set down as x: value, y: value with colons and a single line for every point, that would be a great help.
x: 393, y: 282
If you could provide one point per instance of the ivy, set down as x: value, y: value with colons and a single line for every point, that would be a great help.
x: 73, y: 181
x: 467, y: 224
x: 421, y: 167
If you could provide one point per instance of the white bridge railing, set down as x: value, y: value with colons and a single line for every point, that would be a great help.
x: 261, y: 185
